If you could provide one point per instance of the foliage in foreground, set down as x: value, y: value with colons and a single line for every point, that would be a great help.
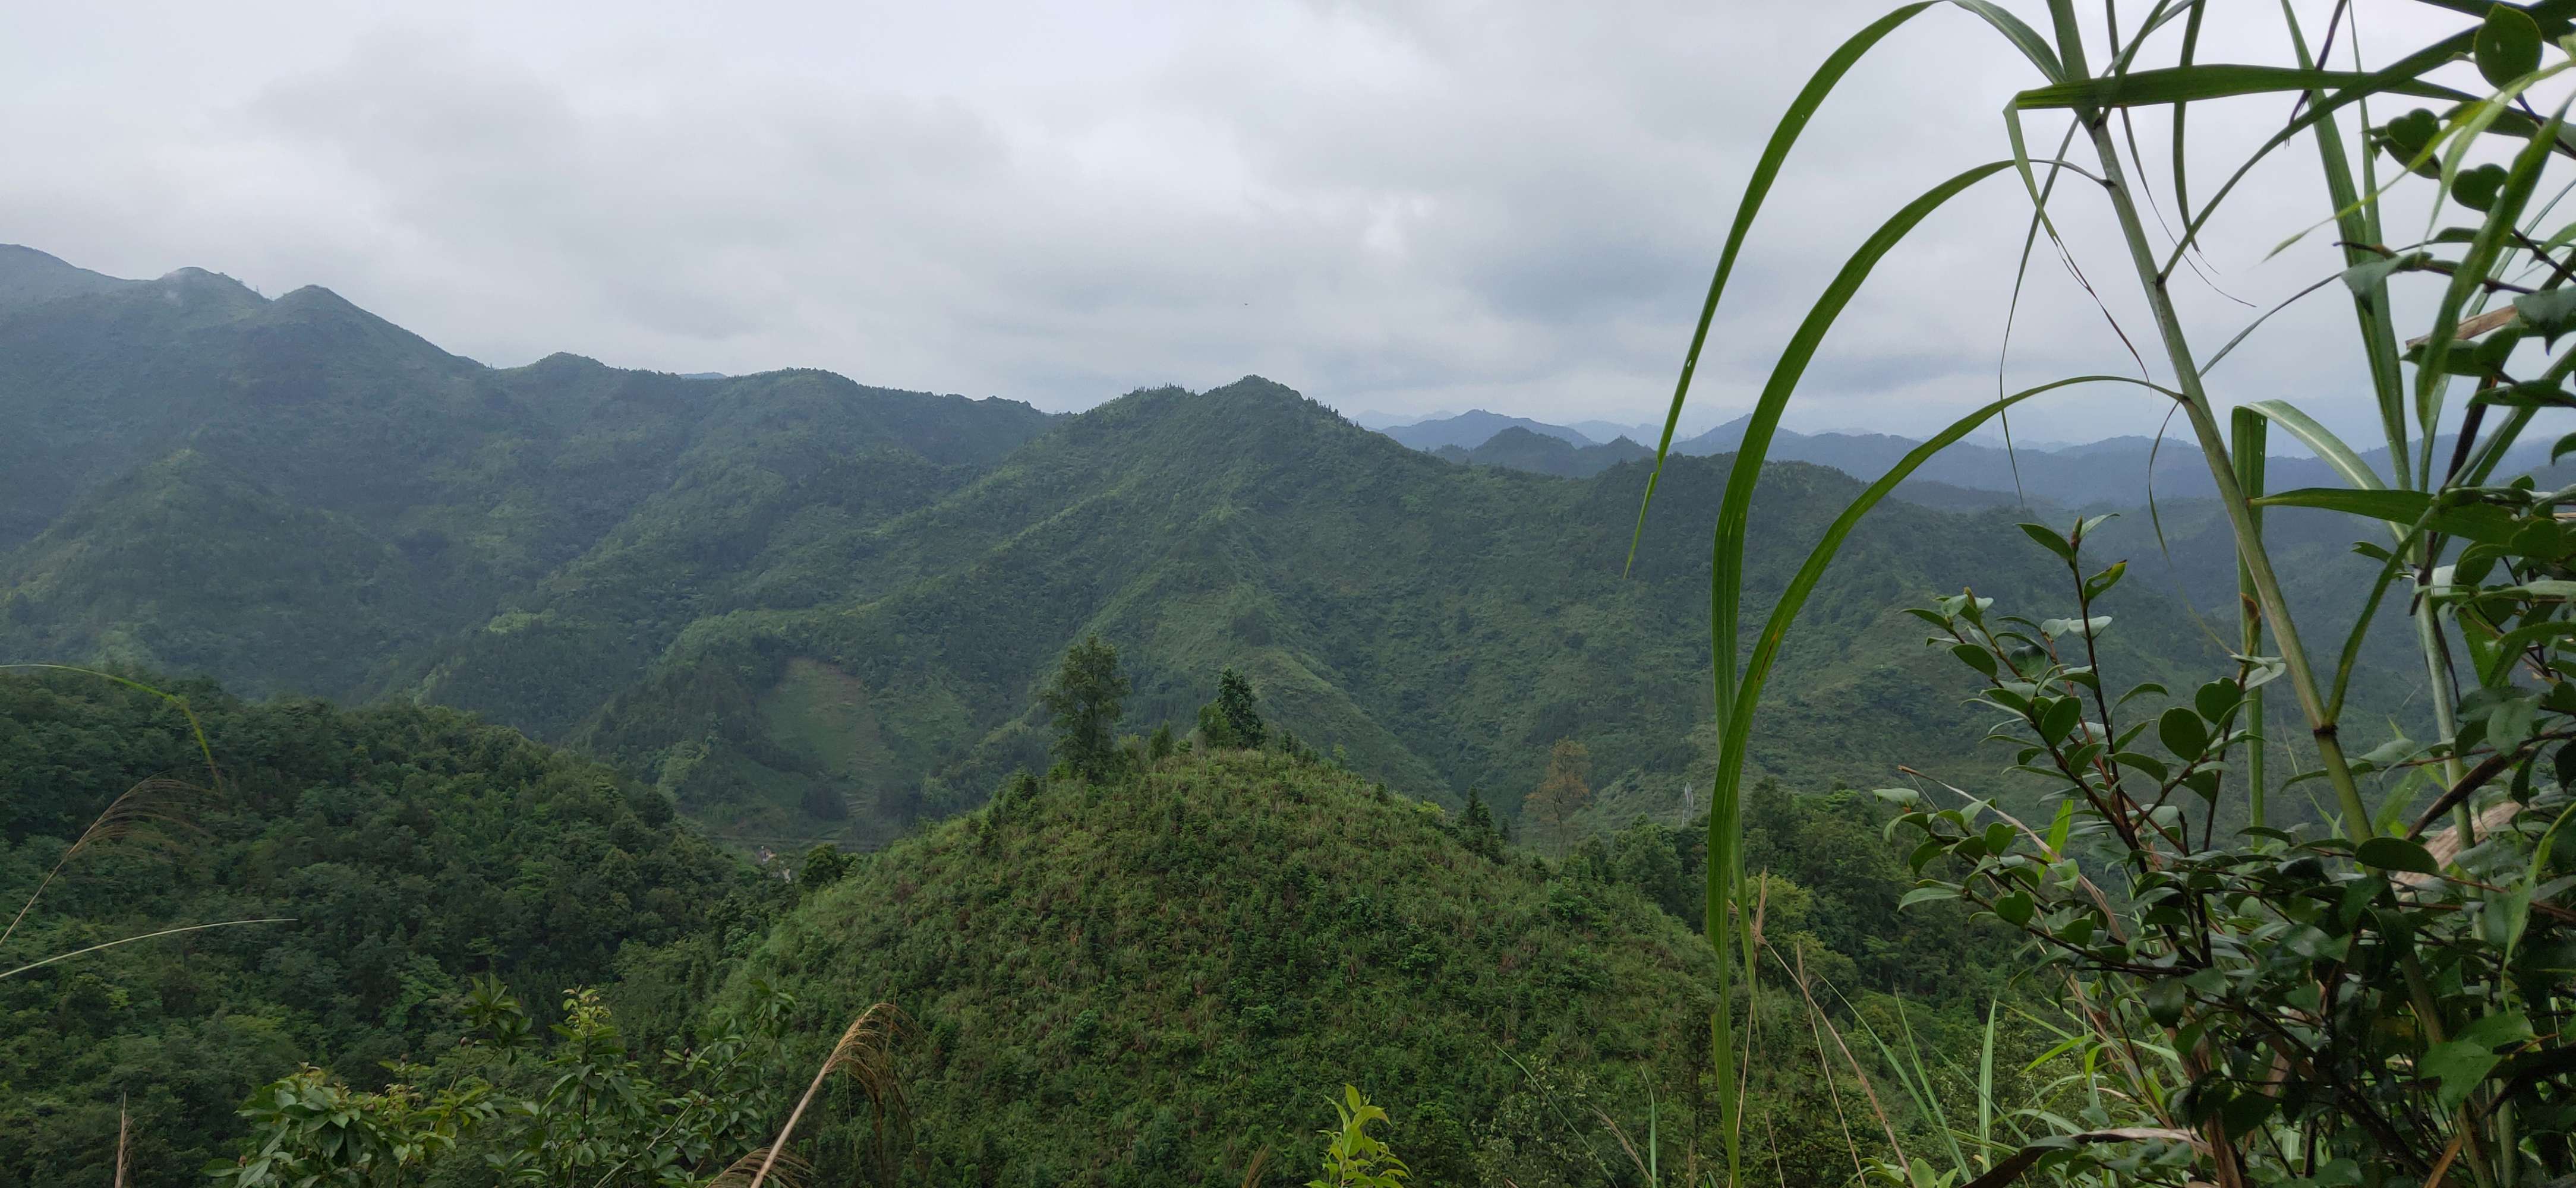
x: 2366, y: 1003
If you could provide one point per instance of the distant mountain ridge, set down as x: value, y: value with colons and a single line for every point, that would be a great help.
x: 1475, y: 427
x: 2121, y: 471
x: 29, y: 277
x: 805, y: 608
x: 1516, y: 448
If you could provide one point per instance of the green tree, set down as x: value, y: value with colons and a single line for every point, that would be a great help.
x: 1563, y: 791
x: 1234, y: 706
x: 1477, y: 828
x: 1087, y: 697
x: 1159, y: 745
x: 824, y: 865
x: 1214, y: 729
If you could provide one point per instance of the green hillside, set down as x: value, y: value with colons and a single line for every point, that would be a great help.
x: 412, y: 849
x: 808, y: 609
x: 1516, y: 448
x: 342, y: 502
x: 1151, y: 982
x: 1486, y: 618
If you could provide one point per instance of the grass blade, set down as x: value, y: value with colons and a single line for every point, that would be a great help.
x: 1784, y: 136
x: 2328, y: 447
x: 1725, y: 824
x: 131, y: 939
x: 2218, y: 80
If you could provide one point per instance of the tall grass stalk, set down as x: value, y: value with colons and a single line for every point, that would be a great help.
x: 2413, y: 508
x: 865, y: 1053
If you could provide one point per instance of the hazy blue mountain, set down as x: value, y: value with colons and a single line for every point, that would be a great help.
x: 2119, y: 471
x: 1606, y: 432
x: 1516, y: 448
x: 1473, y: 428
x: 1383, y: 421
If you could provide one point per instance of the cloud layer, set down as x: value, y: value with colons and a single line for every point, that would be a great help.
x: 1400, y: 208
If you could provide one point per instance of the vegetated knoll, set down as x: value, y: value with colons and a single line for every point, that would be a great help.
x: 1519, y: 449
x: 1443, y: 625
x: 151, y: 418
x: 411, y: 849
x: 1149, y: 982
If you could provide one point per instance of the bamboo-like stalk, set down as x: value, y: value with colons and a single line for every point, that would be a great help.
x: 2250, y: 433
x: 2222, y: 470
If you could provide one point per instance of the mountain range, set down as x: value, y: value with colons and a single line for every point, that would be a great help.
x: 805, y: 608
x: 2114, y: 472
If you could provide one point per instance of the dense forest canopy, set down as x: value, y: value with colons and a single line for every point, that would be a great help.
x: 404, y: 850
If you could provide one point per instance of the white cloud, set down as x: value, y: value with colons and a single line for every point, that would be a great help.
x: 1401, y: 207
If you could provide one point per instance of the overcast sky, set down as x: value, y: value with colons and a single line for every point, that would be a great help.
x: 1399, y: 208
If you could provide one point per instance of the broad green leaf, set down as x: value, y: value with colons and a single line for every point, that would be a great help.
x: 2182, y: 733
x: 2214, y: 699
x: 2409, y: 138
x: 2050, y: 539
x: 2054, y: 628
x: 2468, y: 1057
x: 2397, y: 853
x: 2508, y: 45
x: 2509, y: 724
x: 2552, y: 312
x: 2014, y: 908
x: 2476, y: 188
x: 2165, y: 1000
x: 2365, y: 276
x: 2101, y: 583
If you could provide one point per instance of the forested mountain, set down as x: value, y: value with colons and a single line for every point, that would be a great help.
x: 1235, y: 930
x: 405, y: 849
x: 1519, y: 449
x: 294, y: 495
x: 1486, y: 618
x: 809, y: 609
x: 1244, y: 931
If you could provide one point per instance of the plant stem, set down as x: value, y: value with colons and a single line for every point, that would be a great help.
x: 2222, y: 469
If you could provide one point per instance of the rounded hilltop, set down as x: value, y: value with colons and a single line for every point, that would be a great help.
x: 1151, y: 981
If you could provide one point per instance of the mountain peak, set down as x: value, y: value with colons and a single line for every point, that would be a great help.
x: 1474, y: 428
x: 29, y: 276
